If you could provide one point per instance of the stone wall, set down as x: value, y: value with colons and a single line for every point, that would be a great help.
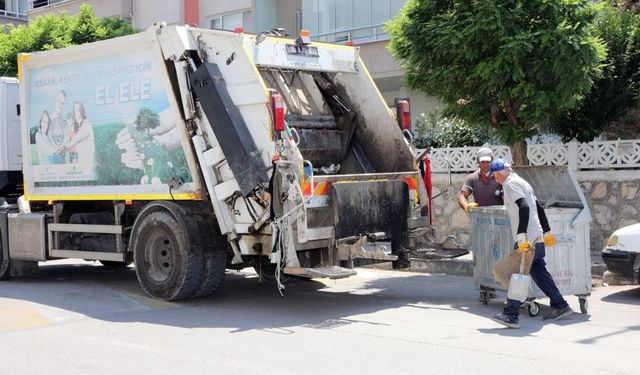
x: 613, y: 198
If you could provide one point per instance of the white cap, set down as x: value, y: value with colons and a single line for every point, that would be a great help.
x: 484, y: 154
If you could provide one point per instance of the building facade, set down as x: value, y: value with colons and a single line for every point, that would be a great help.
x: 13, y: 12
x: 360, y: 22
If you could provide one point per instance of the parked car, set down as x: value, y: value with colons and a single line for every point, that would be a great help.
x: 621, y: 253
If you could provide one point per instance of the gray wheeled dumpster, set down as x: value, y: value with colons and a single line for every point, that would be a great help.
x: 569, y: 262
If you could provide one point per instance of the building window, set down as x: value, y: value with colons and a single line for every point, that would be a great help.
x: 231, y: 21
x: 341, y: 20
x: 43, y: 3
x: 13, y: 8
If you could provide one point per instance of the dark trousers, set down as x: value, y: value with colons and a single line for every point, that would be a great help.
x: 543, y: 280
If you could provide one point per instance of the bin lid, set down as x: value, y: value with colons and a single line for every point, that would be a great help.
x: 554, y: 186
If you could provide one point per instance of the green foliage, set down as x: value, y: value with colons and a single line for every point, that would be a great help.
x: 511, y: 64
x: 433, y: 130
x: 147, y: 119
x: 115, y: 27
x: 618, y: 89
x: 53, y: 31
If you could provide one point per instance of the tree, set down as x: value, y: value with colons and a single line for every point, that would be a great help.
x: 146, y: 120
x: 618, y: 89
x: 509, y: 64
x: 631, y: 5
x: 432, y: 130
x: 53, y: 31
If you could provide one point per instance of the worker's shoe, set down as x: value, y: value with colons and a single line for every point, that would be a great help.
x: 557, y: 314
x: 506, y: 320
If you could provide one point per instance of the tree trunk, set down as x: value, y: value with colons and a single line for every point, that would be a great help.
x: 519, y: 153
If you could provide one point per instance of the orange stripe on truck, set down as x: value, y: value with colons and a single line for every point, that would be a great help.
x: 320, y: 188
x: 324, y: 188
x: 412, y: 182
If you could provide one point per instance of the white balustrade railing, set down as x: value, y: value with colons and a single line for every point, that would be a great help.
x: 621, y: 154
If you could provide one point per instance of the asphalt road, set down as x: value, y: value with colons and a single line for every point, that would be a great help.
x: 77, y: 318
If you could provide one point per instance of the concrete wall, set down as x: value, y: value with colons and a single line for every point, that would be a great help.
x: 147, y: 12
x: 10, y: 20
x: 211, y: 8
x: 114, y: 8
x: 286, y: 15
x: 613, y: 198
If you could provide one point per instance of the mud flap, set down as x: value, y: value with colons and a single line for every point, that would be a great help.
x: 362, y: 207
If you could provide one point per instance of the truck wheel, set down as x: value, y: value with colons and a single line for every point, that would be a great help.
x: 215, y: 264
x: 404, y: 260
x: 5, y: 268
x: 167, y: 264
x: 5, y: 264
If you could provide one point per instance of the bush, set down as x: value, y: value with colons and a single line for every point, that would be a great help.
x: 433, y: 130
x: 618, y: 89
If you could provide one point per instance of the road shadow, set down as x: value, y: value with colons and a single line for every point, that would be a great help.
x: 243, y: 304
x: 627, y: 297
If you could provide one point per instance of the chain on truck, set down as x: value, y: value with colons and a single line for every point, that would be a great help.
x: 189, y: 151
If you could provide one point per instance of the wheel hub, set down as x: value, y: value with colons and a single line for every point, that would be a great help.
x: 159, y: 257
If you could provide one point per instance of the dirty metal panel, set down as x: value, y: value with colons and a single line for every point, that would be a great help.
x: 27, y: 236
x: 553, y: 185
x: 230, y: 129
x: 371, y: 206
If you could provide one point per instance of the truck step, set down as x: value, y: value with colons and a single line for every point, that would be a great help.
x: 444, y: 253
x: 332, y: 272
x: 88, y: 255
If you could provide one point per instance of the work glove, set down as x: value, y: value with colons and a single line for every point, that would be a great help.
x: 523, y: 243
x: 549, y: 239
x: 471, y: 205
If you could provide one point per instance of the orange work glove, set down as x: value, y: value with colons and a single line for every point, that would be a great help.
x: 549, y: 239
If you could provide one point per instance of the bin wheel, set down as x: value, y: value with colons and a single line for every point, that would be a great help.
x: 584, y: 305
x: 484, y: 297
x: 533, y: 309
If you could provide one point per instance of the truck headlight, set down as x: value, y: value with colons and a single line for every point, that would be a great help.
x: 613, y: 240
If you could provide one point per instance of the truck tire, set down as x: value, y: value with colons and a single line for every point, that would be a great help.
x: 168, y: 265
x: 215, y: 264
x: 5, y: 263
x: 403, y: 262
x: 5, y: 270
x: 5, y: 267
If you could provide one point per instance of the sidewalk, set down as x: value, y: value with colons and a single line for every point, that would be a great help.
x: 463, y: 266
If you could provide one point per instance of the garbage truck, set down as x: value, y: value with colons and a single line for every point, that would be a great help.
x: 10, y: 152
x: 191, y: 151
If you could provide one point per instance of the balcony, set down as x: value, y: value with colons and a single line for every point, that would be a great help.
x: 358, y: 35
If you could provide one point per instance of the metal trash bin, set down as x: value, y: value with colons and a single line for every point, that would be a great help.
x: 568, y: 262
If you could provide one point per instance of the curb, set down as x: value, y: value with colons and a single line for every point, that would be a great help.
x: 462, y: 266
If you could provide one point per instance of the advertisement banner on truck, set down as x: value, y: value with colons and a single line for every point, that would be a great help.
x: 103, y: 122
